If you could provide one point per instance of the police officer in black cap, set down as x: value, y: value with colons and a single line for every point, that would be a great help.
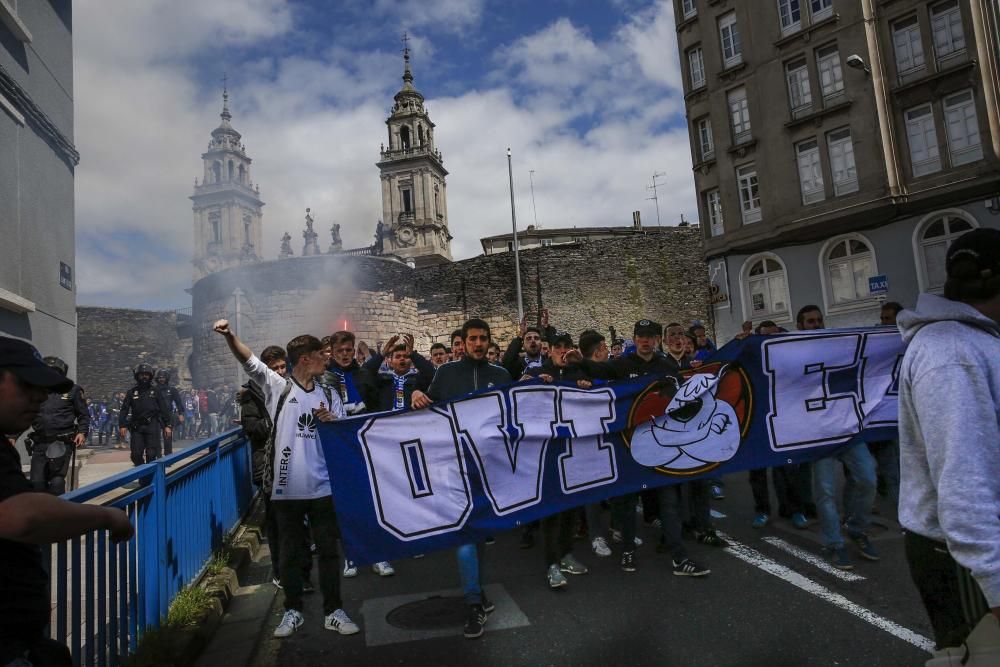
x: 60, y: 427
x: 144, y: 414
x: 173, y: 400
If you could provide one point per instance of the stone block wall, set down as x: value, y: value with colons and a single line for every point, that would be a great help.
x: 112, y: 341
x: 594, y: 284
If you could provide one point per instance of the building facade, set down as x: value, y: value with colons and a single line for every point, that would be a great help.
x: 37, y: 165
x: 834, y: 141
x: 414, y: 195
x: 227, y: 206
x: 536, y: 237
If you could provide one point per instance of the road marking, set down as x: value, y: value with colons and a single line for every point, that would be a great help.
x: 716, y: 514
x: 812, y: 559
x: 764, y: 563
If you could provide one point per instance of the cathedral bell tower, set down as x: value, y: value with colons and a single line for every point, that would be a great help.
x: 227, y: 205
x: 414, y: 201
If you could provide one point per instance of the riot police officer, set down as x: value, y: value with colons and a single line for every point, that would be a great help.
x: 144, y: 414
x: 175, y: 405
x: 61, y: 426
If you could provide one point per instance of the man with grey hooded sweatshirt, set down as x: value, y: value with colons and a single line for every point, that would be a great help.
x: 949, y: 438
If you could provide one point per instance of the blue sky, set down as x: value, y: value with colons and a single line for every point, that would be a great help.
x: 587, y: 93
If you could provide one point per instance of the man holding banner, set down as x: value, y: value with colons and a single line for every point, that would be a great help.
x: 296, y: 474
x: 470, y: 373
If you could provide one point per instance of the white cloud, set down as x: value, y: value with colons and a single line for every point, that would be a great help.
x: 587, y: 115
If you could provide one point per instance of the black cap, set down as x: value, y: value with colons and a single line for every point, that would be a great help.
x: 24, y: 361
x: 975, y: 255
x: 561, y: 338
x: 647, y: 328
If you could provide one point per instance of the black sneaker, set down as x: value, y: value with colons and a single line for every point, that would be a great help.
x: 688, y: 568
x: 628, y: 561
x: 491, y: 540
x: 475, y: 622
x: 307, y: 587
x: 488, y: 605
x: 712, y: 539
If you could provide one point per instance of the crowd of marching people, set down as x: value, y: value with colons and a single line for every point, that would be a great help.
x: 354, y: 379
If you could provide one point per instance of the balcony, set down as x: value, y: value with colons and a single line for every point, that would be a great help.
x: 407, y: 218
x: 412, y: 151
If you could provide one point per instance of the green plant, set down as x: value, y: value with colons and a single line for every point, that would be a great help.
x: 219, y: 560
x: 188, y: 607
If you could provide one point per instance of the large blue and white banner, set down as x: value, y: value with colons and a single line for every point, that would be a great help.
x: 414, y: 481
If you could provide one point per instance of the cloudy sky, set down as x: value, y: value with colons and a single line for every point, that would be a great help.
x: 586, y: 93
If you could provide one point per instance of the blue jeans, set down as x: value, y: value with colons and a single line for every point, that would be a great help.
x: 858, y: 504
x: 468, y: 572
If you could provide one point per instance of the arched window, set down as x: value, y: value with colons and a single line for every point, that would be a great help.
x: 232, y: 170
x: 931, y: 240
x: 243, y: 172
x: 848, y: 263
x: 404, y: 137
x: 765, y: 289
x: 420, y: 135
x: 216, y: 172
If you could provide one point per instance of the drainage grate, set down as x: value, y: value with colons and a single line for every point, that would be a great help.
x: 433, y: 613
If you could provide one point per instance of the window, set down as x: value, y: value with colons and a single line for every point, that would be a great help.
x: 933, y: 239
x: 713, y: 204
x: 964, y: 143
x: 799, y: 95
x: 407, y: 201
x: 732, y: 49
x: 841, y: 149
x: 746, y: 177
x: 810, y: 171
x: 821, y: 9
x: 922, y: 135
x: 739, y: 114
x: 696, y: 68
x: 906, y: 41
x: 790, y: 16
x: 767, y: 290
x: 216, y: 223
x: 510, y: 246
x: 246, y: 229
x: 831, y: 77
x: 705, y: 139
x: 689, y: 8
x: 946, y: 24
x: 546, y: 243
x: 849, y: 264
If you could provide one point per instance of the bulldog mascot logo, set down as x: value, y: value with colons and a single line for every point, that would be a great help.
x: 691, y: 427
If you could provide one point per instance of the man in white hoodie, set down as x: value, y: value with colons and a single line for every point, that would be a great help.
x: 949, y: 437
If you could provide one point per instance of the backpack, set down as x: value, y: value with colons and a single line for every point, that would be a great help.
x: 268, y: 480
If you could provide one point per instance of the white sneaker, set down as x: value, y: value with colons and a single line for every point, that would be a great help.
x: 383, y: 569
x: 600, y: 547
x: 290, y: 622
x: 350, y: 569
x: 341, y: 622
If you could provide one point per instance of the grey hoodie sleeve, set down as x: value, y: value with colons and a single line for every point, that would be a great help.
x: 958, y: 421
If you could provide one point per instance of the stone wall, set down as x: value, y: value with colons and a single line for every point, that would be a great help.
x: 595, y: 284
x: 112, y: 341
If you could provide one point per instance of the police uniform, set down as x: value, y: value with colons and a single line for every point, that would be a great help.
x: 172, y: 397
x: 144, y: 413
x: 60, y: 418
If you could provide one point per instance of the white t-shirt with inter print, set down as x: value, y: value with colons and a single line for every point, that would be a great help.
x: 300, y: 471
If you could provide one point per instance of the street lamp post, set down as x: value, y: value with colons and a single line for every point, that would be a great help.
x: 517, y: 254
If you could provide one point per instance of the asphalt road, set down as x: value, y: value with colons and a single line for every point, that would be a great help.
x: 762, y: 605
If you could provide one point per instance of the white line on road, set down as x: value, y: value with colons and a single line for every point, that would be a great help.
x: 812, y: 559
x: 764, y: 563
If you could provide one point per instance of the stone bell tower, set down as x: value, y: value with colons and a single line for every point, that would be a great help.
x: 227, y: 205
x: 414, y: 198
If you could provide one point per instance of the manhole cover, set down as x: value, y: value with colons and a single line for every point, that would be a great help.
x: 431, y: 614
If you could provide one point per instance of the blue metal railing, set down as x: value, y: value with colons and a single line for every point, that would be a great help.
x: 105, y: 596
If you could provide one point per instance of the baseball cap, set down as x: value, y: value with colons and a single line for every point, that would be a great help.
x: 561, y: 338
x: 647, y: 328
x: 24, y: 361
x: 975, y: 255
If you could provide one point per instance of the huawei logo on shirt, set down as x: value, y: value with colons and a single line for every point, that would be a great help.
x: 307, y: 425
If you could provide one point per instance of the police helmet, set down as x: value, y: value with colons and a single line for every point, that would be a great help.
x: 57, y: 363
x: 141, y: 369
x: 162, y: 373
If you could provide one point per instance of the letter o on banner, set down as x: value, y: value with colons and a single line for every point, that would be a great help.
x: 417, y: 474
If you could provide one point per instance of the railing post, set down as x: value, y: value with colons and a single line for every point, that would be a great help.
x: 160, y: 516
x: 217, y: 489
